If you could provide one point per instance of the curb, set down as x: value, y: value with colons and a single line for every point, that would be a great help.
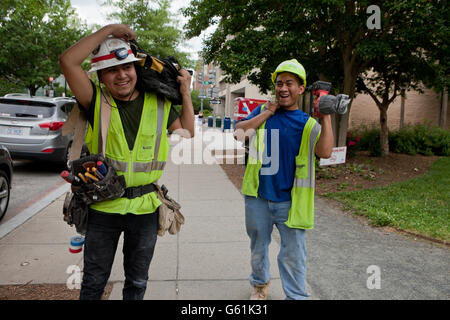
x: 29, y: 212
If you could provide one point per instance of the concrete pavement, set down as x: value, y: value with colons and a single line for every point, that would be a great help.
x: 210, y: 257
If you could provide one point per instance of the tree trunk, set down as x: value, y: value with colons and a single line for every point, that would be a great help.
x: 342, y: 120
x: 384, y: 138
x: 402, y: 109
x: 444, y: 106
x: 32, y: 90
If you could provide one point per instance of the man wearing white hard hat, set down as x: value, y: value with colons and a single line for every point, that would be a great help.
x: 278, y: 184
x: 136, y: 146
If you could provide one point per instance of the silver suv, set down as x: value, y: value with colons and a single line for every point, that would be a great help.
x: 30, y: 127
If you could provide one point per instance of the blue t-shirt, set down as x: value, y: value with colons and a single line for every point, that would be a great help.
x: 277, y: 173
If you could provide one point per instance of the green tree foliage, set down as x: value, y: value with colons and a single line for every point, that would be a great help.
x: 330, y: 38
x: 402, y: 55
x: 156, y: 31
x: 34, y: 33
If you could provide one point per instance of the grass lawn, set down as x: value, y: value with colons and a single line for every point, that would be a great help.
x: 420, y: 205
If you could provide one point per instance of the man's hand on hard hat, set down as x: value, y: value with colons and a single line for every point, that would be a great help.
x: 122, y: 31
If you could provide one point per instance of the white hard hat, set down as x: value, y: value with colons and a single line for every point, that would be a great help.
x: 111, y: 52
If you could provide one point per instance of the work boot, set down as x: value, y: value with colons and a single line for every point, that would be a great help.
x: 260, y: 291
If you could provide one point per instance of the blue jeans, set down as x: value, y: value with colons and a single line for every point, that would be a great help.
x: 102, y: 237
x: 260, y: 216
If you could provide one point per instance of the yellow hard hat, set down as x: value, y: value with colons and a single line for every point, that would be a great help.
x: 292, y: 66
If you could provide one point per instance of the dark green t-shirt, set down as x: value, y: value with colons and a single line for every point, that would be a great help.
x: 130, y: 115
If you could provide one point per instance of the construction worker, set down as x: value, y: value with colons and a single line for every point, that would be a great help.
x: 135, y: 148
x: 278, y: 184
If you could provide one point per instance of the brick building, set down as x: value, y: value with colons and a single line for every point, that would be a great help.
x: 418, y: 107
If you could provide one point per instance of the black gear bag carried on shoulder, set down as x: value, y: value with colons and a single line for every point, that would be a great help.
x: 157, y: 74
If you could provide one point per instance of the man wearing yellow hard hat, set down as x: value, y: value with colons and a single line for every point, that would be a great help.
x: 285, y: 138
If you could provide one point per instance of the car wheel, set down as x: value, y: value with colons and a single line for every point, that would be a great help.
x: 4, y: 193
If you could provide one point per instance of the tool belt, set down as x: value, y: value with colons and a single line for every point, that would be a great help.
x: 134, y: 192
x: 113, y: 186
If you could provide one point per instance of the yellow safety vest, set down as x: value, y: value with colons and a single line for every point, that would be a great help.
x: 301, y: 213
x: 140, y: 166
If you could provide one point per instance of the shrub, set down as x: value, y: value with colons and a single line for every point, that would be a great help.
x: 369, y: 139
x: 353, y: 144
x: 422, y: 138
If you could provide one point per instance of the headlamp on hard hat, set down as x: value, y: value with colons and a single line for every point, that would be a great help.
x: 120, y: 53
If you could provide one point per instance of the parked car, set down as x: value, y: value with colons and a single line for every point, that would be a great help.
x: 30, y: 127
x: 6, y: 174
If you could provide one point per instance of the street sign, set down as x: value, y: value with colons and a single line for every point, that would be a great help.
x: 215, y: 101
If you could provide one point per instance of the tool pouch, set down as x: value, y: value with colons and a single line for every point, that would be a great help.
x: 170, y: 218
x: 112, y: 186
x: 75, y: 213
x: 76, y: 203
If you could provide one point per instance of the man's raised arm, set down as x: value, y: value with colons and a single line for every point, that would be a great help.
x: 70, y: 60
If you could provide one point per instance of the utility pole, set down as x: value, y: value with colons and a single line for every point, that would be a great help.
x: 202, y: 91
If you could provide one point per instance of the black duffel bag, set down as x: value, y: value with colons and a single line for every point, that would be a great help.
x: 157, y: 74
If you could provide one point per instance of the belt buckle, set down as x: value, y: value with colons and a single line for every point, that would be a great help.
x: 133, y: 192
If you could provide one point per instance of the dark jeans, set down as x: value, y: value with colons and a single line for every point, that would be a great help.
x: 102, y: 236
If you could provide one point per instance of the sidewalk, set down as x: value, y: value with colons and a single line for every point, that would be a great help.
x: 208, y: 259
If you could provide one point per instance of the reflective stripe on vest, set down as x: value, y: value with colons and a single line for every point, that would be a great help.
x: 309, y: 182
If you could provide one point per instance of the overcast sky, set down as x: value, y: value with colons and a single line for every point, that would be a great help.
x: 92, y: 12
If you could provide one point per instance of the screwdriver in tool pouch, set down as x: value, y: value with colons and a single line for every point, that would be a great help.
x: 97, y: 173
x: 101, y: 167
x: 90, y: 176
x: 82, y: 177
x: 66, y: 175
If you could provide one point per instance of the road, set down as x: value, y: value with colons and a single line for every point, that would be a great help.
x: 31, y: 181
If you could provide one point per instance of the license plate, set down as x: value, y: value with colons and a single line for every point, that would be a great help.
x: 15, y: 131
